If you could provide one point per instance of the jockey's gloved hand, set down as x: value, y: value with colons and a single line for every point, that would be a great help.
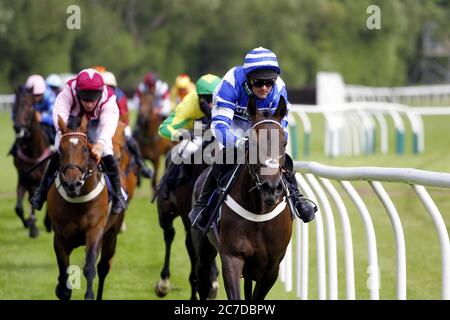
x: 97, y: 150
x: 188, y: 147
x: 240, y: 143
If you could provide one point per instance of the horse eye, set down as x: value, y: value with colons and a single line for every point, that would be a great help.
x: 85, y: 149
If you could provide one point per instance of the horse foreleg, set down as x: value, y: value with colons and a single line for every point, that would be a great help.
x: 93, y: 239
x: 192, y: 258
x: 264, y: 285
x: 215, y: 282
x: 33, y: 230
x: 248, y: 284
x: 20, y: 193
x: 166, y: 223
x: 206, y: 254
x: 109, y: 242
x: 47, y: 222
x: 232, y: 267
x: 63, y: 288
x: 155, y: 162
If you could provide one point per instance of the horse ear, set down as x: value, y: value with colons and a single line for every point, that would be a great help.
x: 84, y: 124
x: 281, y: 111
x: 252, y: 110
x: 62, y: 126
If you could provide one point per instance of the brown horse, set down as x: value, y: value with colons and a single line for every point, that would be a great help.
x: 31, y: 146
x: 78, y: 209
x: 128, y: 168
x: 152, y: 145
x: 179, y: 203
x: 255, y: 224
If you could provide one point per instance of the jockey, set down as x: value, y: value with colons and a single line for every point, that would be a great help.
x: 87, y: 95
x: 152, y: 84
x: 183, y: 85
x: 259, y: 76
x: 122, y: 102
x: 196, y: 105
x: 55, y: 83
x: 44, y: 99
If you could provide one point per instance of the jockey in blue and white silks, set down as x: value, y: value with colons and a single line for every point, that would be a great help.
x: 230, y: 99
x: 257, y: 77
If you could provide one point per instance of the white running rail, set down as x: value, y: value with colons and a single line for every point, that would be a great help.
x: 314, y: 180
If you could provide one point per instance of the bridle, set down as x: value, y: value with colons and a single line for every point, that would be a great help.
x: 86, y: 172
x: 254, y: 168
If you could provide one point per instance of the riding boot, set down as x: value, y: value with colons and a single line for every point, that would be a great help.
x: 198, y: 215
x: 305, y: 208
x: 40, y: 195
x: 112, y: 170
x: 136, y: 151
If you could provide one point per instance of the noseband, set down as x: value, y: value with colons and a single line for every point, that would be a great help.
x: 254, y: 168
x: 86, y: 172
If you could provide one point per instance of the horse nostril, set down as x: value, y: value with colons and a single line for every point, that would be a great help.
x: 79, y: 183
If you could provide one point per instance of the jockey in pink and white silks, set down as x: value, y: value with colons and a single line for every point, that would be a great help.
x: 257, y: 77
x: 87, y: 95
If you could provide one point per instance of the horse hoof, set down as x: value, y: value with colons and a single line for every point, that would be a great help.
x: 162, y: 288
x: 214, y: 289
x: 63, y: 293
x: 89, y: 296
x: 34, y: 231
x: 26, y: 223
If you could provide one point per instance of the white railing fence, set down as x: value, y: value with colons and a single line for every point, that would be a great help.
x: 314, y: 180
x: 438, y: 95
x: 6, y: 102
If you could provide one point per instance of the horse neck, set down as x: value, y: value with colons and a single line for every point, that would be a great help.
x: 251, y: 200
x: 38, y: 141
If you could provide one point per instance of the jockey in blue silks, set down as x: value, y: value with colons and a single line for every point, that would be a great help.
x: 258, y: 77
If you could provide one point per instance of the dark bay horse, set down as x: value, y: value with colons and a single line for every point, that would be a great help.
x: 31, y: 146
x: 78, y: 209
x: 255, y: 224
x: 179, y: 203
x: 152, y: 145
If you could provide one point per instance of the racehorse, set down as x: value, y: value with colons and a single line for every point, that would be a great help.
x: 78, y: 209
x: 152, y: 145
x: 128, y: 168
x: 32, y: 146
x: 179, y: 203
x: 255, y: 223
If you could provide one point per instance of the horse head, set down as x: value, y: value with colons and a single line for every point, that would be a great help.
x: 146, y: 109
x: 24, y: 114
x: 267, y: 145
x: 74, y: 152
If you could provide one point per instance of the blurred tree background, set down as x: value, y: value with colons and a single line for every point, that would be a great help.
x: 199, y: 36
